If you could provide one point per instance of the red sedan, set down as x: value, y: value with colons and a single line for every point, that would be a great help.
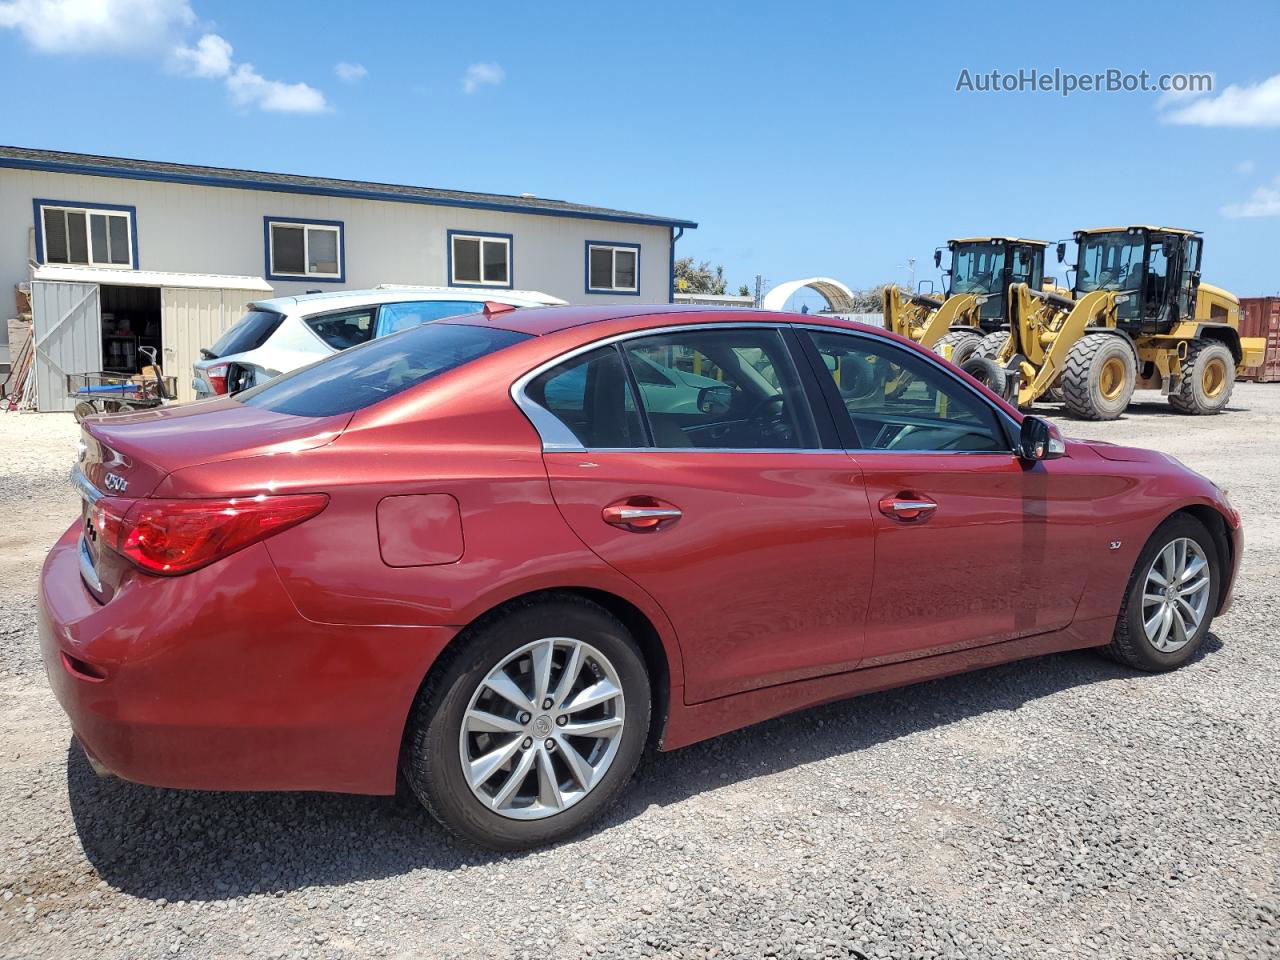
x: 506, y: 552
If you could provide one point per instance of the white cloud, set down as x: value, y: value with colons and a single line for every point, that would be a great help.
x: 155, y: 27
x: 1263, y: 202
x: 249, y: 88
x: 350, y: 72
x: 1257, y: 105
x: 482, y: 74
x: 1246, y: 167
x: 98, y: 26
x: 210, y: 57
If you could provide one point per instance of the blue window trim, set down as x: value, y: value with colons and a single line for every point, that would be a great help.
x: 511, y: 260
x: 38, y: 202
x: 213, y: 180
x: 304, y: 277
x: 587, y: 288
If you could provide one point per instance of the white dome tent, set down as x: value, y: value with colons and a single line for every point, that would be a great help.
x: 840, y: 299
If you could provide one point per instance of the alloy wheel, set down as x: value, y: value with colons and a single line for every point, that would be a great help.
x: 542, y: 728
x: 1175, y: 596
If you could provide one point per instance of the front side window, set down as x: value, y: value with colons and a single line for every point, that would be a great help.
x: 897, y: 402
x: 86, y: 235
x: 613, y: 268
x: 731, y: 389
x: 380, y: 369
x: 590, y: 394
x: 304, y: 250
x: 343, y: 330
x: 394, y: 317
x: 479, y: 260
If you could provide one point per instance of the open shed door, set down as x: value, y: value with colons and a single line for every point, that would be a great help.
x: 67, y: 333
x: 191, y: 318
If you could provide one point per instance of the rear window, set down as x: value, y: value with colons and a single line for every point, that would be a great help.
x: 248, y: 333
x: 379, y: 369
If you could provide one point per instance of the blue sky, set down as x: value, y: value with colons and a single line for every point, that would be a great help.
x: 805, y: 138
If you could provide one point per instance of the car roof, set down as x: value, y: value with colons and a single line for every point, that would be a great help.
x: 307, y: 303
x: 539, y: 323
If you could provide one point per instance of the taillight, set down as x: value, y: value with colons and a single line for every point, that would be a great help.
x: 217, y: 375
x: 172, y: 537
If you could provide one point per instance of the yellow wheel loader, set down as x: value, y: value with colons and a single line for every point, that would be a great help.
x: 1140, y: 317
x: 980, y: 273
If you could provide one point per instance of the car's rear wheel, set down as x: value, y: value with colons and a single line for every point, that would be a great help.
x: 532, y: 727
x: 1170, y: 599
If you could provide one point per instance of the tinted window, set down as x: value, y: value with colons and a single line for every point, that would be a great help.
x: 344, y: 330
x: 590, y: 395
x: 394, y: 317
x: 248, y: 333
x: 726, y: 389
x: 381, y: 368
x: 897, y: 401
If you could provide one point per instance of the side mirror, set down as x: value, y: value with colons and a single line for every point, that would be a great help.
x: 715, y: 401
x: 937, y: 258
x: 1062, y: 253
x: 1040, y: 440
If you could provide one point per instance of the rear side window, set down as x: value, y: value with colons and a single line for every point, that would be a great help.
x: 394, y: 317
x: 248, y: 333
x: 344, y: 330
x: 591, y: 396
x: 358, y: 378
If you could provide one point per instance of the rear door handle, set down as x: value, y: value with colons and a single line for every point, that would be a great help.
x: 641, y: 514
x: 907, y: 507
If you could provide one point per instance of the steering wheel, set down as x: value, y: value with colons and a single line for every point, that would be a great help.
x: 769, y: 415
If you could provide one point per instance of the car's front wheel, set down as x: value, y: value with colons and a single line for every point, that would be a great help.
x: 533, y: 726
x: 1171, y: 597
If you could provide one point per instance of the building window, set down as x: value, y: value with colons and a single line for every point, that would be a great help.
x: 98, y: 236
x: 305, y: 250
x: 613, y: 267
x: 479, y: 259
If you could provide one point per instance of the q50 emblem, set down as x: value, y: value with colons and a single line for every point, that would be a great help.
x: 114, y: 483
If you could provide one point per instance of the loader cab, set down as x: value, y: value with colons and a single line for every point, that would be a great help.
x: 987, y: 265
x: 1156, y: 268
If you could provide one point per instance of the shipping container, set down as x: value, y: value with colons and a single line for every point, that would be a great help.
x: 1260, y: 317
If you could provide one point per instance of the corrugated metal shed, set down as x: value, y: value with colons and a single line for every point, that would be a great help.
x: 148, y: 278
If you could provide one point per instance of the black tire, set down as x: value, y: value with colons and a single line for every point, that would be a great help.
x: 1099, y: 376
x: 432, y: 763
x: 1208, y: 376
x: 1130, y: 645
x: 962, y: 343
x: 84, y: 408
x: 991, y: 344
x: 987, y: 372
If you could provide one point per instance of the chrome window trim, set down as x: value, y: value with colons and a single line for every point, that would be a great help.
x: 557, y: 438
x: 87, y: 570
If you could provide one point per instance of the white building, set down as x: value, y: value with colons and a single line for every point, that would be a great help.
x: 140, y: 220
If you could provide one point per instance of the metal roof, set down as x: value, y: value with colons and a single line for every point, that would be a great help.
x: 147, y: 278
x: 1182, y: 230
x: 88, y: 164
x: 1038, y: 243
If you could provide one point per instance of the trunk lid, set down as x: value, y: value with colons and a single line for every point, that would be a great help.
x: 129, y: 455
x: 126, y: 457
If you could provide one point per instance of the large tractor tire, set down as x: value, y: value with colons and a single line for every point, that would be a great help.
x: 991, y: 345
x: 1208, y: 375
x: 962, y: 344
x: 1098, y: 377
x: 988, y: 373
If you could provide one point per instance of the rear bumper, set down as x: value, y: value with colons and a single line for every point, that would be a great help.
x: 214, y: 681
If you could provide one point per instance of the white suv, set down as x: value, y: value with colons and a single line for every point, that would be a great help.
x: 276, y: 336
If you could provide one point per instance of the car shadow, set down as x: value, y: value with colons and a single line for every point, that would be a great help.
x: 195, y: 845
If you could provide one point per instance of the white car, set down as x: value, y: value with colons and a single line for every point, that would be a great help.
x: 279, y: 335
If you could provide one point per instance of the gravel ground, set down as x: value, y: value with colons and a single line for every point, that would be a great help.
x: 1062, y: 807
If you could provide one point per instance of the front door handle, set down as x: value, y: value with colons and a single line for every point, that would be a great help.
x: 641, y: 514
x: 907, y: 507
